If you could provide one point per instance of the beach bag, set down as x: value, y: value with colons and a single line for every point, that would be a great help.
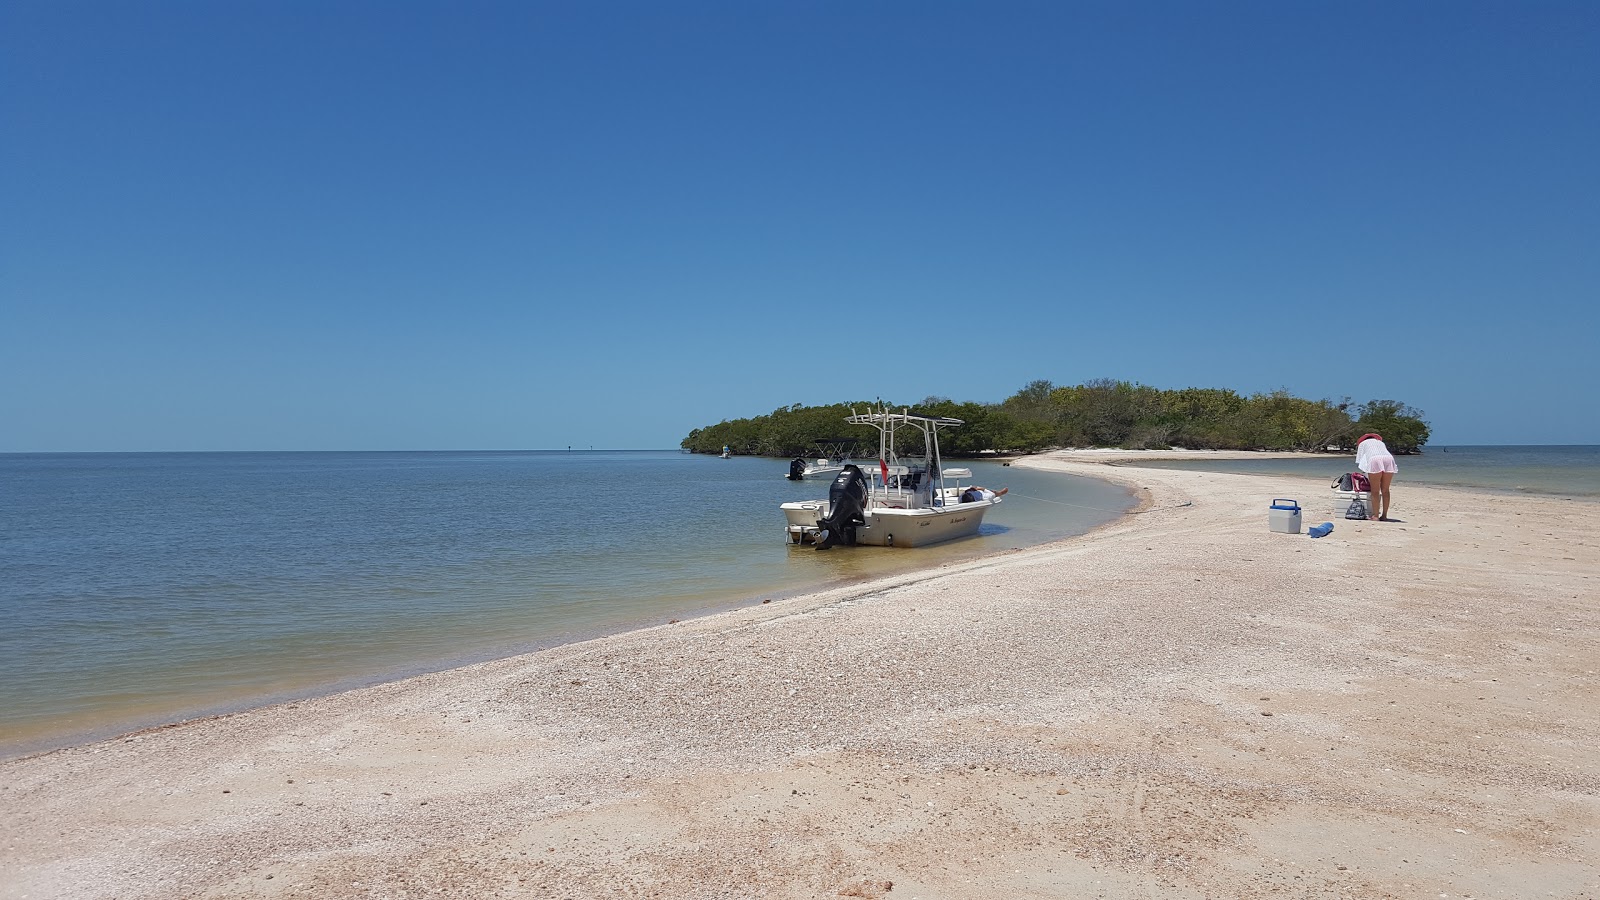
x: 1356, y: 510
x: 1352, y: 481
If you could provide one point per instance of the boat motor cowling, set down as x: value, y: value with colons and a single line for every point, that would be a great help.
x: 797, y: 469
x: 847, y: 500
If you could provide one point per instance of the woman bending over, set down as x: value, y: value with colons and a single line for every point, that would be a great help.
x: 1373, y: 457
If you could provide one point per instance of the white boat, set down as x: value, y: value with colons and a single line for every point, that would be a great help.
x: 830, y: 460
x: 900, y: 501
x: 726, y: 453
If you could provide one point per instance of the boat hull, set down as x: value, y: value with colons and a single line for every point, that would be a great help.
x: 887, y: 527
x: 821, y: 470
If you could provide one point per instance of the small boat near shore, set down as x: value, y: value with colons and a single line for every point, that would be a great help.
x: 903, y: 501
x: 830, y: 460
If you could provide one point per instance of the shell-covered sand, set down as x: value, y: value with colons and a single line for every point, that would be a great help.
x: 1182, y: 704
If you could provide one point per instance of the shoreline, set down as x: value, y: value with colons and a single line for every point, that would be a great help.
x: 1112, y: 458
x: 1178, y: 703
x: 138, y: 713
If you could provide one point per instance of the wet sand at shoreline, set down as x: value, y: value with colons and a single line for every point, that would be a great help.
x: 1180, y: 704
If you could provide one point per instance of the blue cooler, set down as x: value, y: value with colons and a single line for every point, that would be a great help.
x: 1284, y: 517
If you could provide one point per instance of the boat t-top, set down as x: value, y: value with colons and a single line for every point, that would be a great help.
x: 902, y: 501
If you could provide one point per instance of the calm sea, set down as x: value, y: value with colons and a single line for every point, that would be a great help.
x: 1562, y: 471
x: 143, y: 588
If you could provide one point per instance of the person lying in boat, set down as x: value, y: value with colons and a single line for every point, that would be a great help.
x: 979, y: 492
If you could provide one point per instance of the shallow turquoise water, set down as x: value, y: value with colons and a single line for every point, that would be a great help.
x: 140, y: 588
x: 1564, y: 471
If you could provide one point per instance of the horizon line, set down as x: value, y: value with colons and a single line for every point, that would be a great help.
x: 575, y: 449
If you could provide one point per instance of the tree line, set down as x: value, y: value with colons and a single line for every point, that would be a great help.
x: 1101, y: 413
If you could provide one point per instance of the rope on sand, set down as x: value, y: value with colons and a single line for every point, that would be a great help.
x: 1116, y: 512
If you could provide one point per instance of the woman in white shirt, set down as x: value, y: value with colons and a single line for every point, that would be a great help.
x: 1373, y: 457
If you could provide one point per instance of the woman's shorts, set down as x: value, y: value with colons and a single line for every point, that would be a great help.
x: 1380, y: 464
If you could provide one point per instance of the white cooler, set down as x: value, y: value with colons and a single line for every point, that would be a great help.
x: 1341, y: 501
x: 1284, y: 516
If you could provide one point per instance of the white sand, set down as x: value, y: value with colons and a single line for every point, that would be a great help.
x: 1179, y: 705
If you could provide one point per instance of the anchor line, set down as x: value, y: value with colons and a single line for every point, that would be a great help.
x: 1100, y: 509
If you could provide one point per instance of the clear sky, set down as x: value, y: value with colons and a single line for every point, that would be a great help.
x: 285, y: 224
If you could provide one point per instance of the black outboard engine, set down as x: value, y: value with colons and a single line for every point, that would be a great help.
x: 847, y: 501
x: 797, y: 469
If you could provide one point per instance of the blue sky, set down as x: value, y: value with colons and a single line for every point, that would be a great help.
x: 400, y: 225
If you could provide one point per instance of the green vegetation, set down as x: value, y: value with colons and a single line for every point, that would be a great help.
x: 1101, y: 413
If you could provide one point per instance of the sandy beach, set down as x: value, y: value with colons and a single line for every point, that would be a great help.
x: 1179, y: 705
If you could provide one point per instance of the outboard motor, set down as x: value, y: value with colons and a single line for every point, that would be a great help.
x: 797, y: 469
x: 847, y: 501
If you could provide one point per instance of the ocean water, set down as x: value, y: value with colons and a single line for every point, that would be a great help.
x: 1561, y: 471
x: 143, y: 588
